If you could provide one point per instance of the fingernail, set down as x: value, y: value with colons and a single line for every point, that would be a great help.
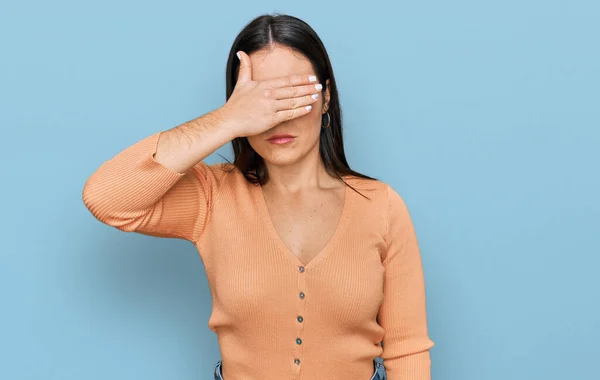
x: 308, y: 108
x: 238, y: 55
x: 315, y: 96
x: 312, y: 78
x: 318, y: 86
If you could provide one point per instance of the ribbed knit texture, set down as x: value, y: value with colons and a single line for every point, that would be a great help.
x: 366, y: 286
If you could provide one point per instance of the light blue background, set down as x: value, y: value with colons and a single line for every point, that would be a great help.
x: 484, y: 115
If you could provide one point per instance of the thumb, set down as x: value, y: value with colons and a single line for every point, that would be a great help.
x: 245, y: 73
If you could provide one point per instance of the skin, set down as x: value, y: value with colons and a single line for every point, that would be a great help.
x: 270, y: 96
x: 296, y: 165
x: 304, y: 201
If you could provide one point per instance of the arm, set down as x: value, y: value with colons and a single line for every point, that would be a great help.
x: 160, y: 186
x: 406, y: 342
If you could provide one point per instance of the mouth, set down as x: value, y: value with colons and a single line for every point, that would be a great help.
x: 281, y: 139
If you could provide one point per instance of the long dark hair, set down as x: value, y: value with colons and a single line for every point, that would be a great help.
x: 262, y: 32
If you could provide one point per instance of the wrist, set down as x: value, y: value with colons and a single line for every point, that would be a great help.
x: 224, y: 123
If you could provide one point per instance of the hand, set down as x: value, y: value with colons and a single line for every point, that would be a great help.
x: 256, y: 106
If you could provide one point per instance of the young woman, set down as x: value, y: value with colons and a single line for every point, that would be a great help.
x: 314, y: 269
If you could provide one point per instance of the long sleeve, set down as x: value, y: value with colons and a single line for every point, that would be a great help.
x: 402, y: 314
x: 135, y: 193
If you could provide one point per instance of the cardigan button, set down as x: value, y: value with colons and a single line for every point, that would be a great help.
x: 297, y: 361
x: 301, y: 295
x: 301, y: 269
x: 298, y: 341
x: 300, y: 319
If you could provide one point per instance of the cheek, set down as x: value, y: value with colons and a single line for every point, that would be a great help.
x: 255, y: 142
x: 312, y: 120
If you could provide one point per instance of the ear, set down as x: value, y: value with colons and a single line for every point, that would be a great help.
x: 327, y: 97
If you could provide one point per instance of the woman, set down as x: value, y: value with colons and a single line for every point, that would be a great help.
x: 311, y: 265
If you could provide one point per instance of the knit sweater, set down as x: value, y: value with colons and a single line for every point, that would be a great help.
x: 276, y: 318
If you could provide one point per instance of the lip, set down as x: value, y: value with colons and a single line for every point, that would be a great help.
x: 281, y: 138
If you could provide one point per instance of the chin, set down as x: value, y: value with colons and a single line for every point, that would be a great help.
x: 277, y: 155
x: 281, y: 159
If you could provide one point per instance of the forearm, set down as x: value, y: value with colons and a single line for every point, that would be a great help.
x: 126, y: 190
x: 181, y: 147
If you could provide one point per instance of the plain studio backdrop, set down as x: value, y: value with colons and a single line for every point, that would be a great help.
x: 484, y: 116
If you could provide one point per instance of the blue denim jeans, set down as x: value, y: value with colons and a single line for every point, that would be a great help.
x: 378, y: 371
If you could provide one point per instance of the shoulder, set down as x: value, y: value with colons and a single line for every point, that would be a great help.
x: 369, y: 202
x: 380, y: 200
x: 217, y: 171
x: 379, y: 192
x: 230, y: 179
x: 212, y: 178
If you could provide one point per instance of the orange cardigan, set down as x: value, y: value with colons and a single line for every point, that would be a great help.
x: 274, y: 317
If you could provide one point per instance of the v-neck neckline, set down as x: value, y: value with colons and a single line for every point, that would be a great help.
x: 263, y: 210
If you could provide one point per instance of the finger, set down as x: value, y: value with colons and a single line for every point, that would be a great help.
x: 291, y: 80
x: 281, y: 116
x: 290, y: 103
x: 245, y: 73
x: 296, y: 91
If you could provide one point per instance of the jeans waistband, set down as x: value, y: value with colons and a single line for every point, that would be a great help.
x: 378, y: 371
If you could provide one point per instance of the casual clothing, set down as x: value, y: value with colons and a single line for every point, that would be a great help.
x: 275, y: 317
